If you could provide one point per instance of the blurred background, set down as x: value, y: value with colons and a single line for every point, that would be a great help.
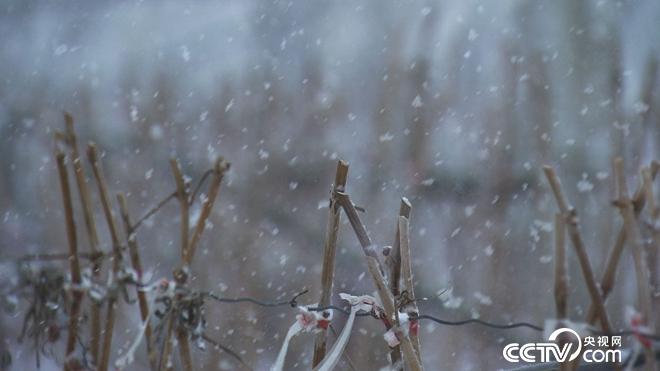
x: 454, y: 104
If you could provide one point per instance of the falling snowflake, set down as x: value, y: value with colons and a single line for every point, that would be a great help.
x: 584, y: 185
x: 417, y: 102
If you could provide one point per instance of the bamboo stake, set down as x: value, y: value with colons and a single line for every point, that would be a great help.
x: 609, y: 276
x: 394, y: 264
x: 561, y: 278
x: 561, y: 274
x: 219, y: 169
x: 571, y: 220
x: 181, y: 275
x: 329, y: 252
x: 74, y: 263
x: 394, y: 258
x: 376, y: 271
x: 184, y: 349
x: 408, y: 282
x: 654, y: 214
x: 182, y: 196
x: 90, y: 226
x: 166, y: 348
x: 137, y: 266
x: 92, y: 155
x: 188, y: 245
x: 635, y: 242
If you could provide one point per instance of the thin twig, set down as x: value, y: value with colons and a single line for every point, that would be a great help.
x: 635, y: 242
x: 217, y: 345
x: 199, y: 185
x: 169, y: 197
x: 74, y: 263
x: 137, y: 266
x: 153, y: 210
x: 329, y: 251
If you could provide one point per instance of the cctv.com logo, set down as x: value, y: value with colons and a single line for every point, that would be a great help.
x: 567, y: 351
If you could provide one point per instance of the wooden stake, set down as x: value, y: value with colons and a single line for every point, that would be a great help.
x: 408, y: 282
x: 561, y: 272
x: 393, y: 262
x: 90, y: 226
x: 635, y: 242
x: 92, y: 155
x: 219, y: 169
x: 188, y: 246
x: 74, y: 263
x: 571, y: 220
x: 609, y: 276
x: 329, y: 252
x: 376, y: 272
x: 182, y: 196
x: 137, y: 266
